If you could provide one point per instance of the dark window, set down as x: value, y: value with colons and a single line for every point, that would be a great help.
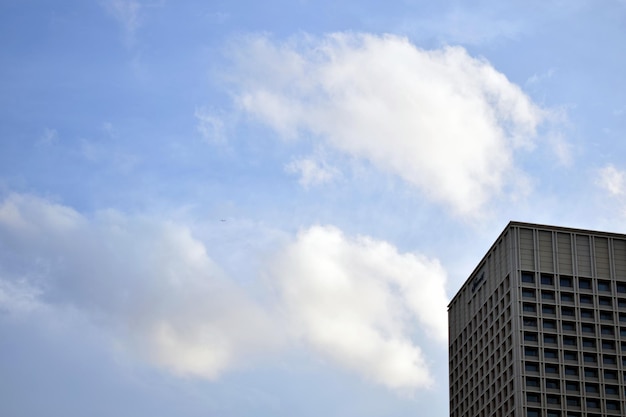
x: 588, y: 328
x: 605, y: 301
x: 571, y: 371
x: 553, y: 399
x: 612, y: 405
x: 533, y: 413
x: 610, y: 374
x: 608, y: 344
x: 606, y: 315
x: 622, y: 331
x: 547, y: 279
x: 622, y: 317
x: 586, y: 314
x: 567, y: 311
x: 609, y: 359
x: 568, y: 326
x: 530, y: 337
x: 571, y: 385
x: 532, y: 382
x: 604, y: 286
x: 589, y: 343
x: 584, y: 284
x: 548, y: 309
x: 567, y: 297
x: 552, y: 369
x: 621, y: 303
x: 528, y: 293
x: 550, y: 354
x: 591, y: 373
x: 621, y: 287
x: 552, y: 384
x: 565, y: 281
x: 553, y: 413
x: 611, y: 389
x: 593, y: 403
x: 570, y: 355
x: 589, y: 357
x: 528, y: 277
x: 608, y: 330
x: 569, y: 341
x: 531, y: 308
x: 531, y: 397
x: 531, y: 351
x: 584, y: 299
x: 549, y: 324
x: 530, y: 322
x: 547, y: 295
x: 549, y: 339
x: 573, y: 401
x: 591, y: 388
x: 531, y: 367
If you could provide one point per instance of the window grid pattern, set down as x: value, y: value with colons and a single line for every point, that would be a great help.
x: 542, y: 333
x: 484, y: 363
x: 573, y: 332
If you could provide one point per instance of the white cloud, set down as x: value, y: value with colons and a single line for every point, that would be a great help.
x: 150, y: 283
x: 312, y: 171
x: 445, y: 122
x: 151, y: 286
x: 49, y: 137
x: 613, y: 180
x: 210, y: 126
x: 358, y: 302
x: 126, y: 12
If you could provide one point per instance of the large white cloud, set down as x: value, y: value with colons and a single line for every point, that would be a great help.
x: 442, y: 120
x: 359, y: 302
x: 150, y: 283
x: 151, y: 286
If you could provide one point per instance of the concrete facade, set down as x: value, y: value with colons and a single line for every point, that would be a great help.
x: 539, y: 328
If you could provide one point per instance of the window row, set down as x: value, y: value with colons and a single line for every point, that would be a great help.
x: 532, y: 412
x: 569, y: 298
x: 570, y: 371
x: 571, y: 355
x: 550, y: 339
x: 571, y: 326
x: 564, y: 281
x: 566, y: 312
x: 571, y: 401
x: 571, y: 386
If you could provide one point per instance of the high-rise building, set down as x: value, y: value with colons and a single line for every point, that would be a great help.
x: 539, y: 328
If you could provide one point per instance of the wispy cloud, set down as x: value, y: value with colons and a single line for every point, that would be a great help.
x: 48, y: 137
x: 358, y: 300
x: 312, y: 171
x: 538, y: 78
x: 210, y: 125
x: 443, y: 121
x: 467, y: 27
x: 127, y: 13
x: 612, y: 180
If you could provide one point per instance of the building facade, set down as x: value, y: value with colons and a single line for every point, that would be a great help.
x: 539, y: 328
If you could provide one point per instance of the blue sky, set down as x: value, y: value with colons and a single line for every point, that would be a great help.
x: 262, y: 208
